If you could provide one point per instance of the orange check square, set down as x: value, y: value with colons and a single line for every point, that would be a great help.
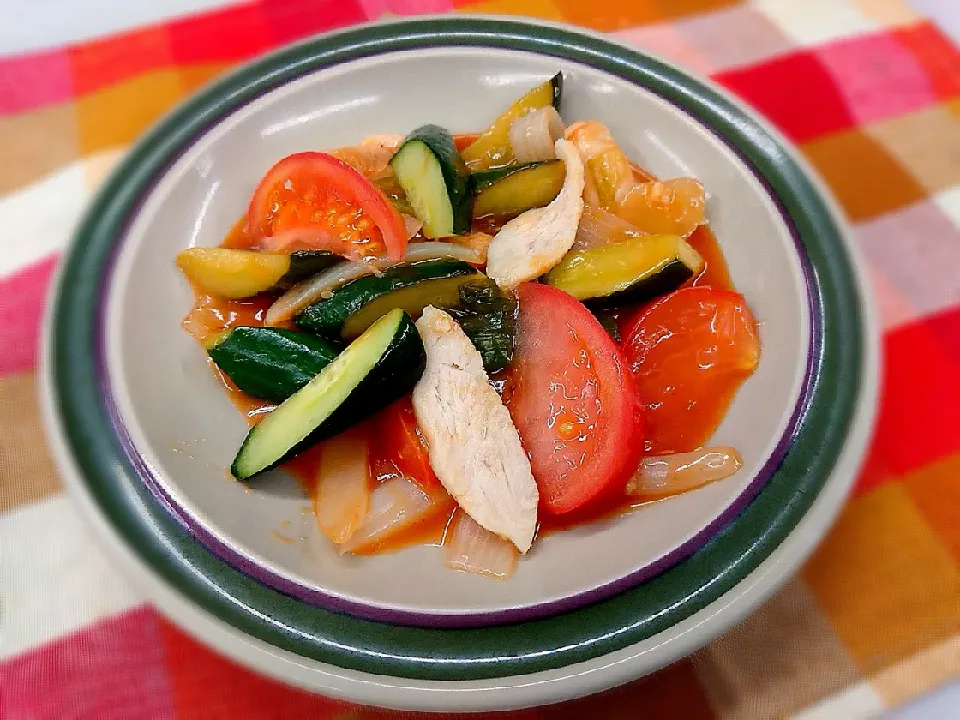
x: 543, y: 9
x: 884, y: 579
x: 866, y: 179
x: 118, y: 114
x: 194, y: 77
x: 619, y: 14
x: 926, y: 142
x: 936, y: 491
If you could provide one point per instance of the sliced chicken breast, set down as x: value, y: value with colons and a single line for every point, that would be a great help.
x: 532, y: 243
x: 475, y: 448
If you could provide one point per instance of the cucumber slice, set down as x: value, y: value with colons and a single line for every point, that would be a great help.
x: 376, y: 369
x: 493, y: 147
x: 434, y: 180
x: 305, y: 264
x: 507, y: 192
x: 352, y: 308
x: 270, y: 363
x: 629, y: 271
x: 233, y: 273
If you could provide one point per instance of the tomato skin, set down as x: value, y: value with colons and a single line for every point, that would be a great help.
x: 400, y: 442
x: 573, y: 400
x: 312, y: 173
x: 689, y: 352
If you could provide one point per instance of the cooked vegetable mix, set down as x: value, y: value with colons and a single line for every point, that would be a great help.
x: 632, y: 271
x: 488, y: 316
x: 435, y: 181
x: 480, y: 335
x: 377, y: 368
x: 506, y: 192
x: 493, y: 147
x: 354, y: 307
x: 270, y: 363
x: 233, y: 273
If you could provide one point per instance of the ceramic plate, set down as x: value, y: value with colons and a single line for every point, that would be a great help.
x: 145, y: 436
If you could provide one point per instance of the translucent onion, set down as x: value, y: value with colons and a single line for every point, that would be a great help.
x: 475, y: 241
x: 532, y: 136
x: 599, y: 227
x: 411, y: 224
x: 323, y: 284
x: 662, y: 475
x: 470, y: 548
x: 341, y: 496
x: 371, y: 156
x: 306, y: 238
x: 396, y: 505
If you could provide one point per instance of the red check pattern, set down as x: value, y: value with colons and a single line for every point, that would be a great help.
x: 870, y: 92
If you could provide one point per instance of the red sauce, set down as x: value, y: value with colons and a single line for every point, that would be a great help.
x: 239, y: 237
x: 211, y: 315
x: 608, y: 508
x: 715, y: 272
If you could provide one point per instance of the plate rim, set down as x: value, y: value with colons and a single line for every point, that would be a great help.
x: 512, y: 34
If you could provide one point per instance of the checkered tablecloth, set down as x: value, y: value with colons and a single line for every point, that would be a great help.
x: 870, y: 92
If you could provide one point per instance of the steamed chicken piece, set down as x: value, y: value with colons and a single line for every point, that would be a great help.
x: 475, y: 448
x: 531, y: 244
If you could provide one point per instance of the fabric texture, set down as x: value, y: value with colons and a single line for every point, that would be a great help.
x: 871, y: 621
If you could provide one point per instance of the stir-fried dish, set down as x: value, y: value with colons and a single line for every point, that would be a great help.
x: 474, y: 340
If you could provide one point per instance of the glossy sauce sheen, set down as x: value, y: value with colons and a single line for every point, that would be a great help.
x: 211, y: 315
x: 431, y: 531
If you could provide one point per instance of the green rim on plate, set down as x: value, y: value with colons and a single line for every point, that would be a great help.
x: 462, y: 654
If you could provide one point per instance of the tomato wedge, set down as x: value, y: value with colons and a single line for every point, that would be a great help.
x: 400, y: 442
x: 572, y: 397
x: 314, y: 201
x: 689, y: 353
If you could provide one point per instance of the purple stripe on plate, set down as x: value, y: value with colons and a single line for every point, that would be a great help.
x: 260, y: 572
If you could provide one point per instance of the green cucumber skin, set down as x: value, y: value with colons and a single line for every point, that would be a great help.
x: 304, y: 264
x: 609, y: 323
x: 488, y: 316
x: 326, y: 317
x: 396, y: 372
x: 665, y: 281
x: 556, y: 82
x: 271, y: 363
x: 482, y: 179
x: 455, y: 175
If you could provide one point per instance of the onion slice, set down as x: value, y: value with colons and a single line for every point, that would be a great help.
x: 600, y: 227
x: 473, y: 549
x: 370, y: 157
x: 475, y: 241
x: 396, y: 505
x: 341, y: 495
x: 322, y: 284
x: 532, y: 136
x: 308, y: 238
x: 663, y: 475
x: 411, y: 225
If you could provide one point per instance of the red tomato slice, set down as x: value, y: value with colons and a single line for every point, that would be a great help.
x: 315, y: 201
x: 400, y: 442
x: 689, y: 353
x: 572, y: 398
